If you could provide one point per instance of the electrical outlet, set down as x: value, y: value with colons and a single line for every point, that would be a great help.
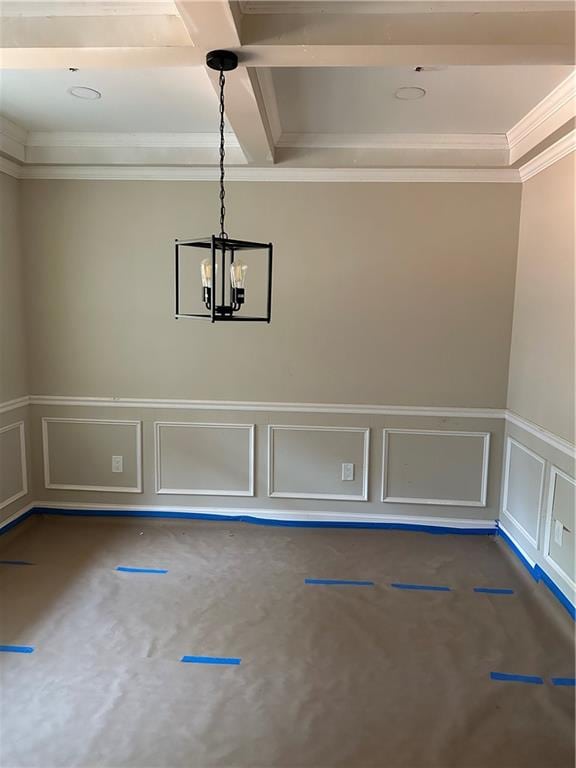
x: 117, y: 464
x: 558, y: 532
x: 347, y: 471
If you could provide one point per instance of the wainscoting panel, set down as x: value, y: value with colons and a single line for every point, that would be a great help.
x: 305, y: 462
x: 523, y: 488
x: 78, y: 454
x: 559, y: 550
x: 13, y: 464
x: 435, y: 467
x: 204, y: 459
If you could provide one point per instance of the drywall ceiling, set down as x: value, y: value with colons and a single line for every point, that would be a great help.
x: 168, y: 99
x: 313, y: 96
x: 458, y: 99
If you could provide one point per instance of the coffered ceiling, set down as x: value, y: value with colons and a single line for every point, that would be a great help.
x: 320, y: 93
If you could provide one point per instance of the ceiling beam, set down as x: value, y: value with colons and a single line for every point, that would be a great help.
x: 400, y: 39
x: 215, y: 24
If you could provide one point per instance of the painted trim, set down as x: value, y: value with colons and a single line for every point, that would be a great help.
x: 108, y: 488
x: 266, y: 83
x: 272, y: 173
x: 438, y: 525
x: 264, y: 7
x: 12, y: 405
x: 23, y: 463
x: 537, y: 573
x: 12, y: 139
x: 426, y: 141
x: 32, y: 9
x: 80, y: 139
x: 553, y: 102
x: 542, y: 434
x: 10, y: 168
x: 555, y: 472
x: 273, y: 407
x: 441, y: 502
x: 16, y: 518
x: 505, y: 483
x: 363, y: 496
x: 549, y: 156
x: 207, y: 491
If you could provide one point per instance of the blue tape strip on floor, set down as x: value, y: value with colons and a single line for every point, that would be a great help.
x: 340, y: 581
x: 493, y: 591
x: 425, y: 587
x: 569, y: 681
x: 533, y: 679
x: 15, y: 562
x: 210, y: 660
x: 16, y: 649
x: 126, y: 569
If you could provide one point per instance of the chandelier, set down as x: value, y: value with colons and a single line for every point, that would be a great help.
x: 221, y: 274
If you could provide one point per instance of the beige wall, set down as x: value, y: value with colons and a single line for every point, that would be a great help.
x: 541, y: 380
x: 13, y: 368
x: 383, y: 293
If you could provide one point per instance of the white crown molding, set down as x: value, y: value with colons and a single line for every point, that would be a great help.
x: 548, y: 115
x: 457, y: 141
x: 549, y: 156
x: 12, y: 139
x: 10, y: 168
x: 123, y: 140
x: 272, y: 173
x: 32, y: 9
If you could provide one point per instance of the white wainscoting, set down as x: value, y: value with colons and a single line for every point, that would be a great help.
x: 48, y: 483
x: 483, y: 484
x: 19, y: 426
x: 555, y: 474
x: 512, y: 445
x: 159, y: 426
x: 362, y: 496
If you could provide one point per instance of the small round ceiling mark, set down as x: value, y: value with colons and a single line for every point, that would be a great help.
x: 83, y: 92
x: 410, y: 93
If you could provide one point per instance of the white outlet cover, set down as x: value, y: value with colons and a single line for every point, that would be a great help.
x: 347, y: 471
x: 558, y: 532
x: 117, y: 464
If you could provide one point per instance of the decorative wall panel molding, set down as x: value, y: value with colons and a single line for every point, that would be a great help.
x: 511, y: 446
x: 21, y: 460
x: 274, y: 492
x: 557, y: 476
x: 218, y: 462
x: 425, y: 458
x: 47, y: 454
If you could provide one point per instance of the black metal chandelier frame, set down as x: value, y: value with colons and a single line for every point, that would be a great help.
x: 222, y: 297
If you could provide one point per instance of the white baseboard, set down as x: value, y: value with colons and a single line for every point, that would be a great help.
x: 283, y: 515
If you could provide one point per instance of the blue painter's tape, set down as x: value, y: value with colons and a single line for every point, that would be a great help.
x: 569, y: 681
x: 493, y: 591
x: 252, y: 519
x: 340, y: 581
x: 126, y: 569
x: 13, y: 523
x: 16, y: 649
x: 532, y: 679
x: 539, y: 575
x: 15, y: 562
x: 424, y: 587
x: 210, y: 660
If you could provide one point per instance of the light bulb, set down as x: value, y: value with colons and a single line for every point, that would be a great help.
x: 238, y: 274
x: 206, y: 273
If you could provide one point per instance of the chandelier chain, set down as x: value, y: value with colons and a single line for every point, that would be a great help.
x: 222, y: 81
